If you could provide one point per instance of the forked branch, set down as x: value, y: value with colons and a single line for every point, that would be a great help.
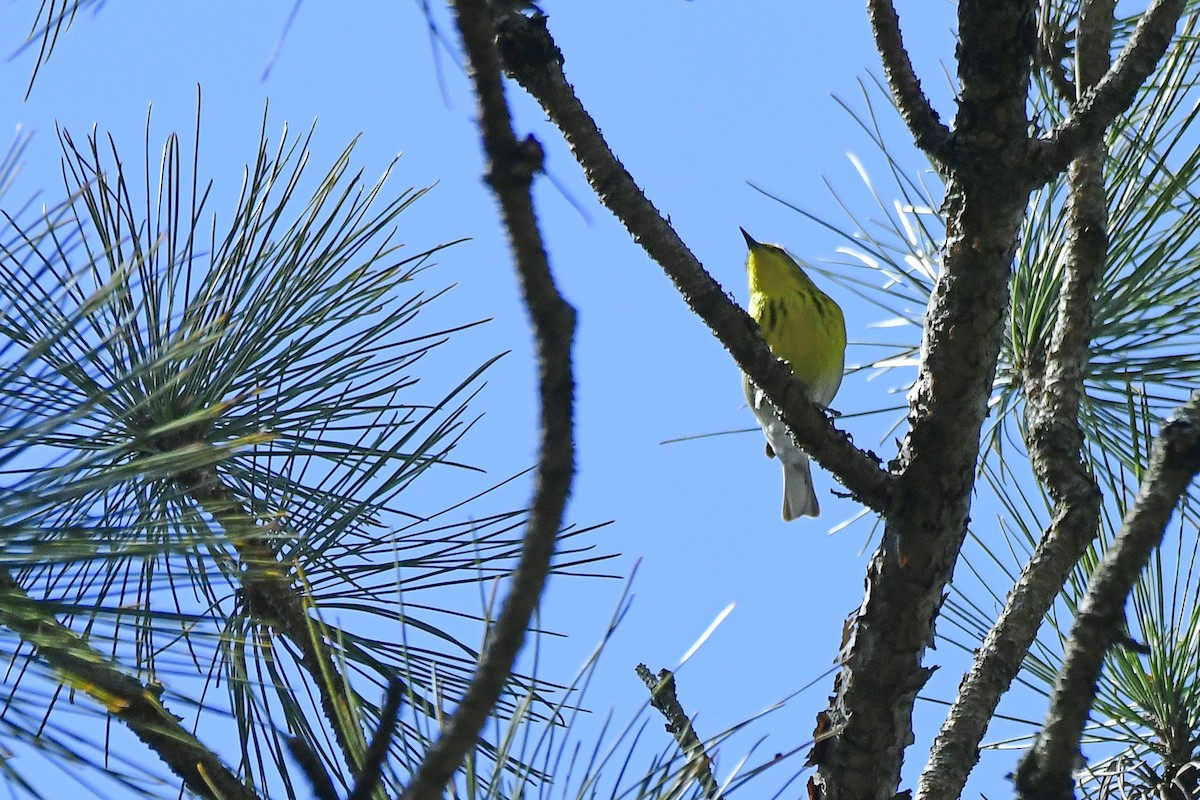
x: 1045, y: 771
x: 1111, y: 95
x: 1055, y: 440
x: 533, y: 60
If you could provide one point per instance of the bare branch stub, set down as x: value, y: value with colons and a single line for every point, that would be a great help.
x: 663, y: 698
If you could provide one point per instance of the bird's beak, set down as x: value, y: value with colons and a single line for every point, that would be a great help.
x: 749, y: 239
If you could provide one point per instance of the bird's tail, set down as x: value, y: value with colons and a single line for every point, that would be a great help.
x: 799, y: 499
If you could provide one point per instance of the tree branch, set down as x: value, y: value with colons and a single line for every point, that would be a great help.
x: 871, y: 709
x: 272, y: 599
x: 369, y: 781
x: 1109, y: 97
x: 662, y: 697
x: 125, y: 697
x: 928, y: 131
x: 510, y: 169
x: 1045, y: 771
x: 534, y: 61
x: 1055, y: 443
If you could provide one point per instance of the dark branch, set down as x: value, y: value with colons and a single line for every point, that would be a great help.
x: 1110, y: 97
x: 532, y: 58
x: 1045, y: 771
x: 314, y: 770
x: 510, y: 169
x: 369, y: 781
x: 662, y: 697
x: 929, y: 132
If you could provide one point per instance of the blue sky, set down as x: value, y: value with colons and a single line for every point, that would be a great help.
x: 697, y: 99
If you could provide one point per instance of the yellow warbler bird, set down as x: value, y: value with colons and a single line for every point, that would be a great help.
x: 805, y: 328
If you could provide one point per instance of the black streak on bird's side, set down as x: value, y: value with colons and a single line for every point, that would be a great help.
x: 822, y: 308
x: 772, y: 311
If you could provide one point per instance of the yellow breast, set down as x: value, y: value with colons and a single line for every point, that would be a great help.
x: 802, y: 325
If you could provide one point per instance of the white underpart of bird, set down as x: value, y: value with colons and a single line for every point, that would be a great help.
x: 799, y: 499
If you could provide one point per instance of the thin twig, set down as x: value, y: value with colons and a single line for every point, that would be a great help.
x: 928, y: 131
x: 534, y: 60
x: 125, y: 697
x: 662, y: 697
x: 1045, y: 771
x: 511, y: 166
x: 1110, y: 97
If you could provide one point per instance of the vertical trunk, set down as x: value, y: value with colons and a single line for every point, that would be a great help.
x: 987, y: 195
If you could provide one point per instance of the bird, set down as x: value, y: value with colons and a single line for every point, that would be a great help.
x: 804, y: 327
